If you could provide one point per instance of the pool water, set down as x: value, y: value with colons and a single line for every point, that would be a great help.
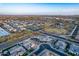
x: 3, y: 32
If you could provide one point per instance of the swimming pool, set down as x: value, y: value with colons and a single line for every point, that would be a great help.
x: 3, y: 32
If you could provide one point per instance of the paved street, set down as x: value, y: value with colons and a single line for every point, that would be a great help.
x: 6, y: 44
x: 47, y: 46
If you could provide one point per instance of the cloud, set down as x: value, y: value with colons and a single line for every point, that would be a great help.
x: 37, y: 9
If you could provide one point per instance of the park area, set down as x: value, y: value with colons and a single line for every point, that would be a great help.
x: 59, y: 28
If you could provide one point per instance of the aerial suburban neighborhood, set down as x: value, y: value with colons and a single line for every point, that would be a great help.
x: 39, y: 35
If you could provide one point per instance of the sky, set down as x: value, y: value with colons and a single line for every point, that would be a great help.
x: 39, y: 9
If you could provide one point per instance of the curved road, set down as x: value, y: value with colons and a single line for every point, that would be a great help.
x: 47, y: 46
